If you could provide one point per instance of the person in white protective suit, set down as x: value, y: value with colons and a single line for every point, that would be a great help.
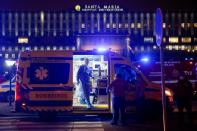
x: 83, y: 78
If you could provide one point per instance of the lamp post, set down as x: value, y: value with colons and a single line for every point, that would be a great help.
x: 159, y: 36
x: 9, y: 64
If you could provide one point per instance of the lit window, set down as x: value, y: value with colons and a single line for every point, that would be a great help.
x: 83, y: 25
x: 138, y: 25
x: 16, y: 48
x: 182, y: 47
x: 42, y: 17
x: 164, y: 25
x: 189, y: 47
x: 67, y: 48
x: 195, y: 39
x: 148, y: 39
x: 107, y: 25
x: 170, y: 47
x: 136, y: 49
x: 188, y: 25
x: 167, y: 47
x: 54, y: 48
x: 164, y: 39
x: 114, y: 25
x: 22, y: 40
x: 120, y: 26
x: 126, y: 25
x: 10, y: 49
x: 186, y: 39
x: 6, y: 56
x: 35, y: 48
x: 182, y: 25
x: 28, y: 48
x: 13, y: 56
x: 48, y: 47
x: 3, y: 48
x: 23, y: 48
x: 195, y: 25
x: 61, y: 48
x: 42, y: 48
x: 73, y: 48
x: 1, y: 55
x: 173, y: 39
x: 132, y: 25
x: 195, y: 47
x: 142, y: 48
x: 176, y: 47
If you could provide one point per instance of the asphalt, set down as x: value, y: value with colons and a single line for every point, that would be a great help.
x: 151, y: 123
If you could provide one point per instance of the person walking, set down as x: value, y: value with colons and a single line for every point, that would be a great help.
x: 117, y: 89
x: 183, y: 97
x: 83, y: 78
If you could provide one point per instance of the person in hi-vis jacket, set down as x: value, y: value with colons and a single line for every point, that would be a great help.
x: 83, y: 78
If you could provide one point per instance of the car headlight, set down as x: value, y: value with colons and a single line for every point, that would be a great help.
x: 168, y: 92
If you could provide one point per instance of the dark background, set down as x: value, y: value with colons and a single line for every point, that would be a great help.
x: 128, y: 5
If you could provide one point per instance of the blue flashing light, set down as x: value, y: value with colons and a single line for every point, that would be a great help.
x: 102, y: 49
x: 145, y: 59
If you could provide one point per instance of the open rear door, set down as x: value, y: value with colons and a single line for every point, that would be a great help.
x: 98, y: 68
x: 121, y: 65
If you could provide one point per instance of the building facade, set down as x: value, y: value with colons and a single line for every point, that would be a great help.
x: 69, y: 30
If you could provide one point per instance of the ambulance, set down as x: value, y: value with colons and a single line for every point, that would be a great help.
x: 46, y: 82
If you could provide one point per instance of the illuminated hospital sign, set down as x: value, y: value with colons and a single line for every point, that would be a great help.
x: 99, y: 8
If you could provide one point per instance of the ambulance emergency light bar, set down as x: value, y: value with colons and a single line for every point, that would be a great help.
x: 144, y: 59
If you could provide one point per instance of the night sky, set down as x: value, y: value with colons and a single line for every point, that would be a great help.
x: 68, y: 5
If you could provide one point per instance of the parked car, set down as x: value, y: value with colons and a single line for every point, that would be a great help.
x: 5, y: 89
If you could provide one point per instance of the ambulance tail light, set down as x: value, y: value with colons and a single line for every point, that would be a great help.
x: 169, y: 94
x: 17, y: 92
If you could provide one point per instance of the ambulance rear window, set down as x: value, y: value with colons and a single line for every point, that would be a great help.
x: 48, y: 73
x: 128, y: 74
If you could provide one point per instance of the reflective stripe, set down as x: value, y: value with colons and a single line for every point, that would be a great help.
x: 172, y: 81
x: 51, y: 96
x: 153, y: 95
x: 46, y: 58
x: 46, y: 108
x: 66, y: 88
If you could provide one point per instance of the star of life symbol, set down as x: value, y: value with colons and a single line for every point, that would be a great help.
x: 41, y: 73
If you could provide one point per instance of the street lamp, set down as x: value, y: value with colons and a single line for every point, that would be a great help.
x: 9, y: 64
